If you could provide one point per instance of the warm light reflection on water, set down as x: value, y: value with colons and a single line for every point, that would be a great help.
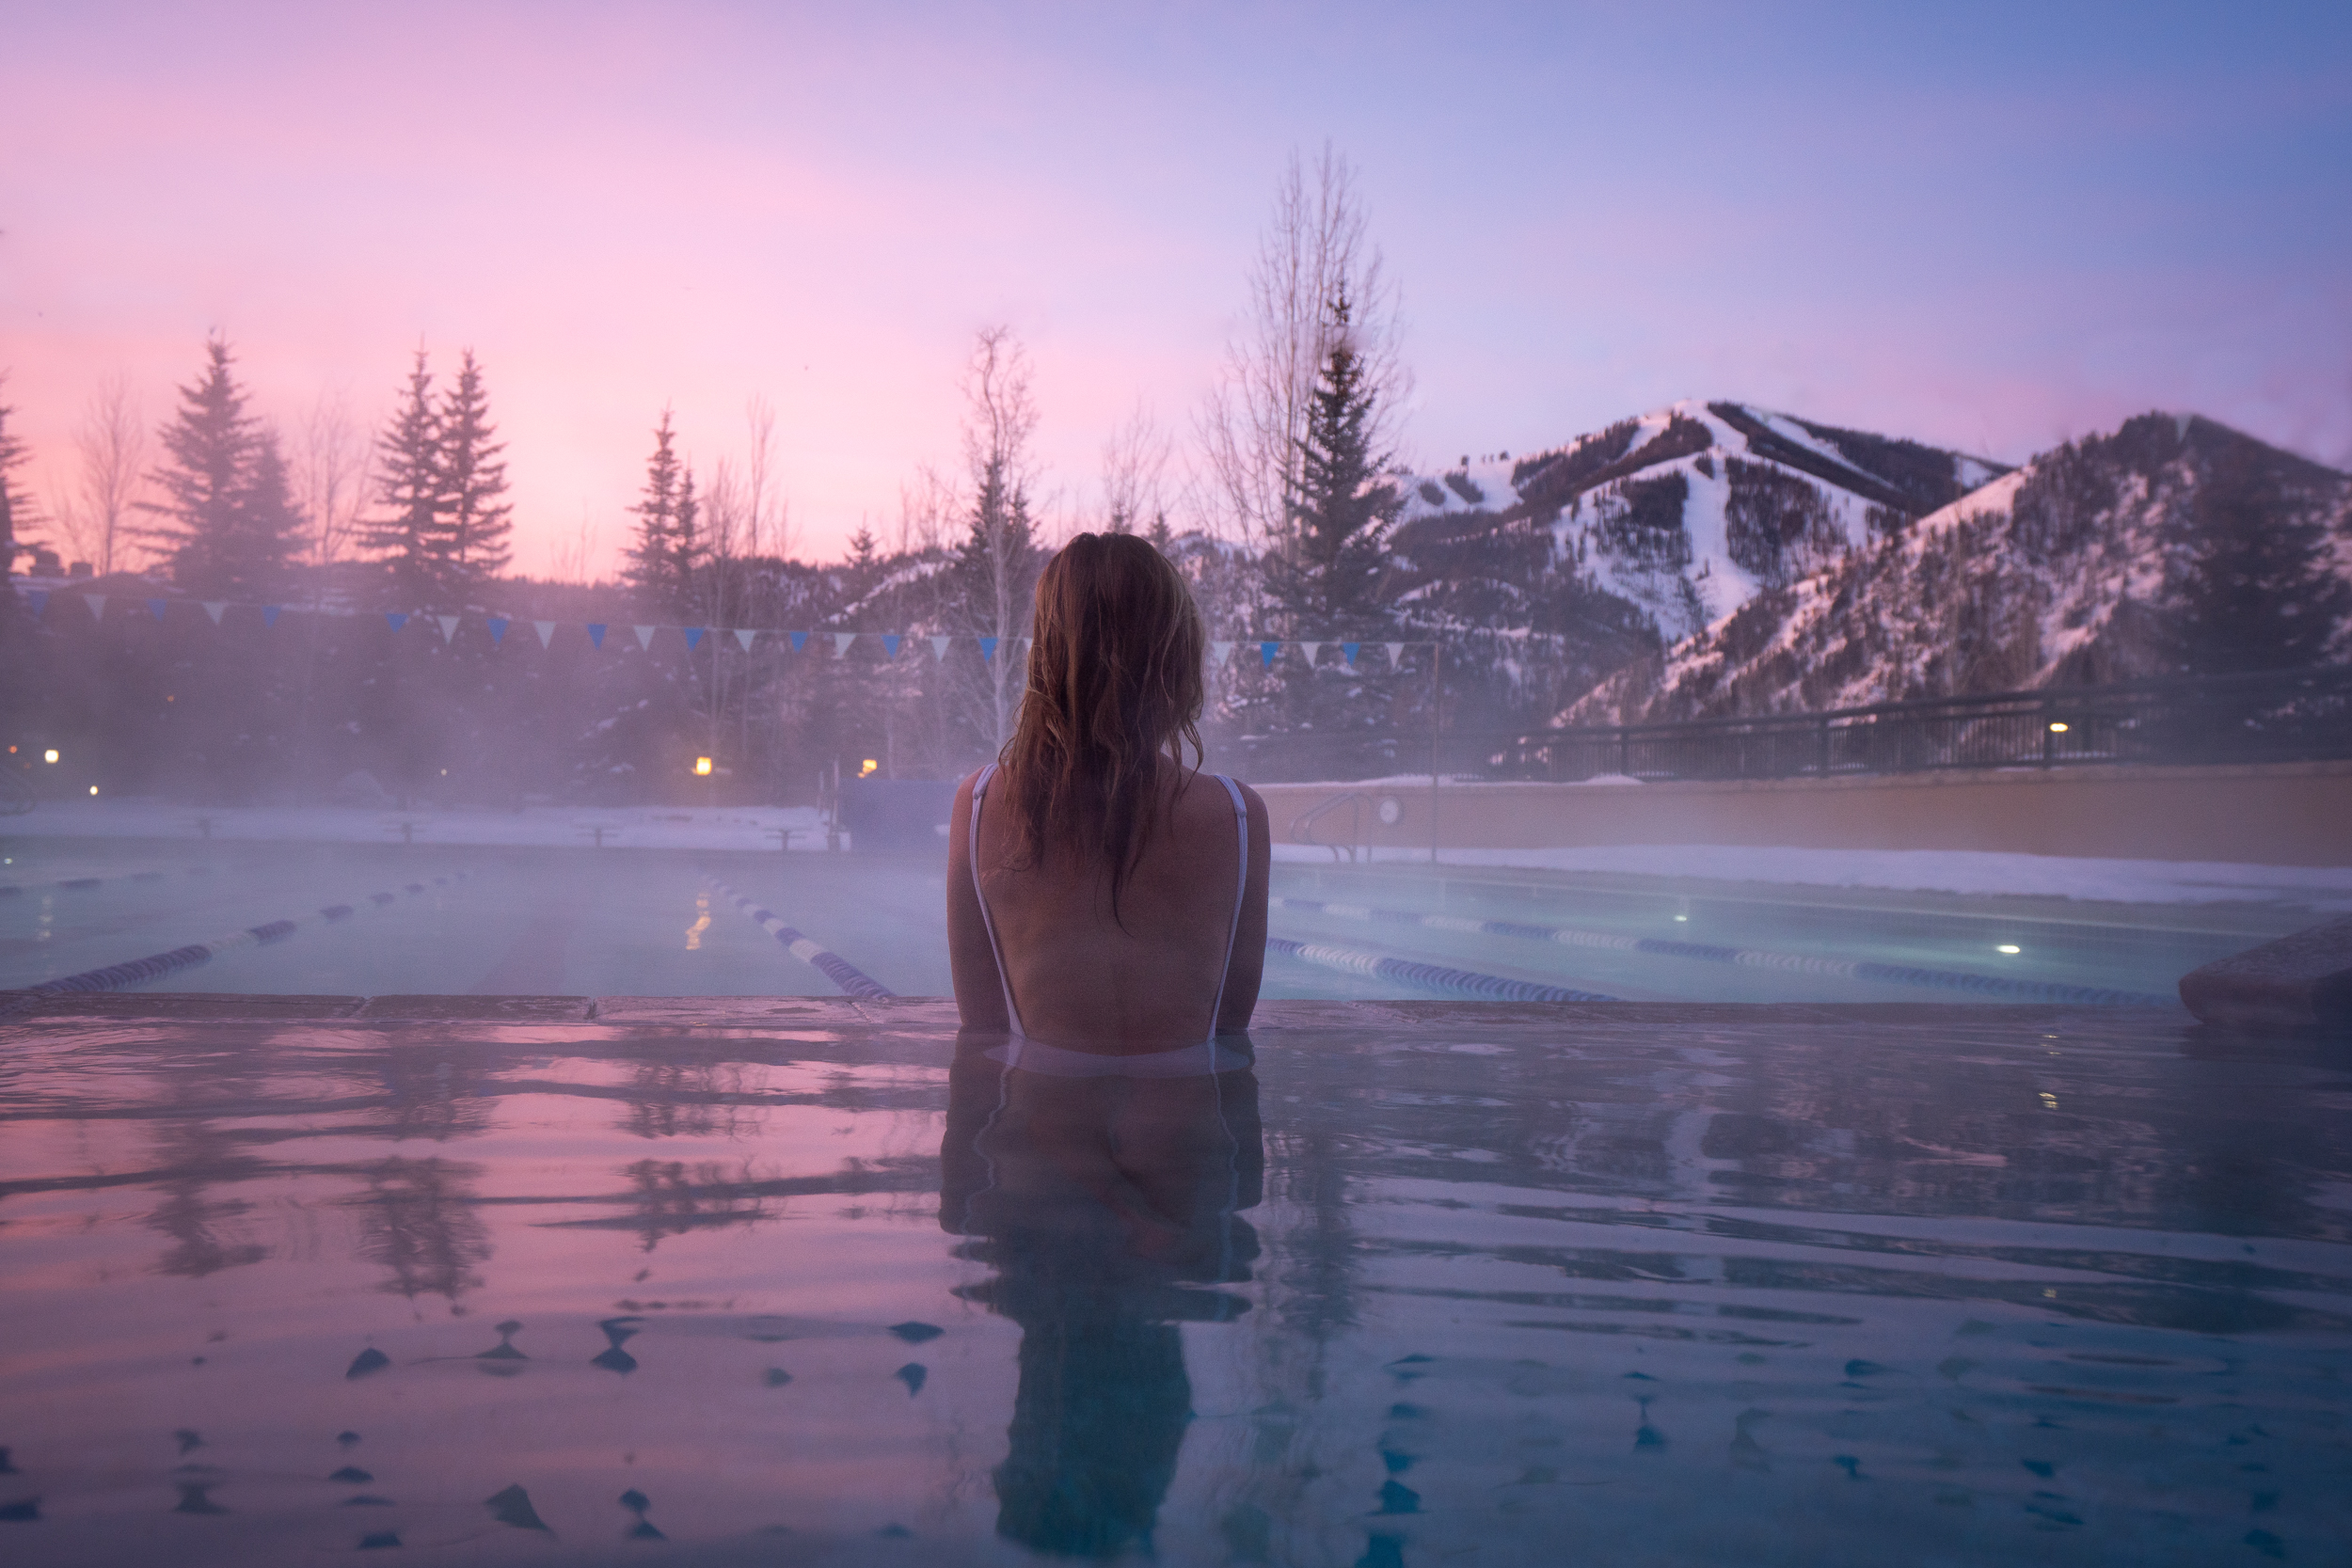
x: 2062, y: 1287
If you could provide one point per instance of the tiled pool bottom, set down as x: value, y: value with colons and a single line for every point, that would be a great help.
x: 792, y: 1281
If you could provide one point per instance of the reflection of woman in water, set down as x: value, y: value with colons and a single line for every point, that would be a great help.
x: 1103, y: 899
x: 1097, y: 1199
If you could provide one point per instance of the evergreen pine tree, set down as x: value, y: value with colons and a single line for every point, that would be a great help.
x: 2253, y: 580
x: 13, y: 510
x: 212, y: 445
x: 661, y: 561
x: 686, y: 547
x: 406, y: 536
x: 1326, y: 577
x: 473, y: 539
x: 270, y: 529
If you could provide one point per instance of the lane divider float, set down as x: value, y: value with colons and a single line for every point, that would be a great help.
x: 139, y: 971
x: 1429, y: 976
x: 832, y: 965
x: 1748, y: 958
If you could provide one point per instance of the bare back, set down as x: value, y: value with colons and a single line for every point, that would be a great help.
x: 1148, y: 981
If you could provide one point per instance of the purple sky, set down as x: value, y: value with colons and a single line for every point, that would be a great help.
x: 1989, y: 225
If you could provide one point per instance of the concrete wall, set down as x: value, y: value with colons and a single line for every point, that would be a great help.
x: 2287, y: 813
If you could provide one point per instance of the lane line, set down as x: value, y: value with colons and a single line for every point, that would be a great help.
x: 832, y: 965
x: 155, y: 965
x: 1430, y: 976
x: 1751, y: 957
x: 18, y: 890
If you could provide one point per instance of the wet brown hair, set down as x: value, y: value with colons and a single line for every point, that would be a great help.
x: 1114, y: 684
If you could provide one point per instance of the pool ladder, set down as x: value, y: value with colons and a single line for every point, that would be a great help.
x: 1363, y: 812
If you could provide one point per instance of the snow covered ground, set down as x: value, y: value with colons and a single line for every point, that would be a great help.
x: 630, y: 828
x: 1964, y: 871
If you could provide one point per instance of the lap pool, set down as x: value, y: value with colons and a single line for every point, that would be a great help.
x: 676, y: 904
x: 801, y: 1281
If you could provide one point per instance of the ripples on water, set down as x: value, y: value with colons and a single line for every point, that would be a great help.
x: 1674, y: 1286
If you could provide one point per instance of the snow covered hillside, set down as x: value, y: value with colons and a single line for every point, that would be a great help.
x: 2108, y: 559
x: 1691, y: 510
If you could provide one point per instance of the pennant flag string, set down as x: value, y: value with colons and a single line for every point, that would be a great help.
x: 645, y: 637
x: 269, y: 614
x: 1266, y: 651
x: 40, y: 601
x: 97, y: 603
x: 694, y: 636
x: 988, y: 649
x: 595, y: 634
x: 498, y: 624
x: 939, y: 649
x: 546, y: 630
x: 155, y: 607
x: 799, y: 641
x: 743, y: 638
x: 890, y: 641
x: 395, y: 619
x: 214, y: 608
x: 448, y: 624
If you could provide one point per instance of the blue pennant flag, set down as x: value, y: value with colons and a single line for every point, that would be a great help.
x: 988, y: 649
x: 269, y: 614
x: 497, y: 629
x: 155, y: 607
x: 694, y: 636
x: 890, y: 644
x: 1347, y: 652
x: 395, y: 619
x: 40, y: 597
x: 799, y: 641
x: 595, y: 634
x: 1266, y: 652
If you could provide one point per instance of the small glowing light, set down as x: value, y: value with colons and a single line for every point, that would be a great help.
x: 445, y: 773
x: 2057, y: 726
x: 868, y: 768
x: 93, y: 789
x: 2009, y: 947
x: 1682, y: 917
x: 49, y: 755
x: 169, y: 698
x: 702, y: 767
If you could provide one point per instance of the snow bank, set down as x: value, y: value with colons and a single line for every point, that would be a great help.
x: 630, y: 828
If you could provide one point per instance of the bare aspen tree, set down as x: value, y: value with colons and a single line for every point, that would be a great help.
x: 110, y: 470
x: 1314, y: 249
x: 998, y: 563
x: 1134, y: 478
x: 331, y: 476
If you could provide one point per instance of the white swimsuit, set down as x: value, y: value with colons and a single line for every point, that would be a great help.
x: 1186, y: 1061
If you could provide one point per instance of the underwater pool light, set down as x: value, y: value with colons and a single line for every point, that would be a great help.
x: 868, y: 768
x: 93, y: 789
x: 49, y: 755
x: 2008, y: 947
x: 702, y: 767
x: 2057, y: 726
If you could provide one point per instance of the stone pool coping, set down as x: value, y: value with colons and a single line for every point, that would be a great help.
x: 937, y: 1014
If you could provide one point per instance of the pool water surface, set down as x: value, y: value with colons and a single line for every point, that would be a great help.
x: 810, y: 1282
x: 439, y: 919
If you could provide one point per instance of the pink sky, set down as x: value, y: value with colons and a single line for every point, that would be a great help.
x: 1912, y: 227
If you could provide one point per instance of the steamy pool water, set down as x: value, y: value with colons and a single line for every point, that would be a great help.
x: 680, y: 922
x: 1432, y: 1284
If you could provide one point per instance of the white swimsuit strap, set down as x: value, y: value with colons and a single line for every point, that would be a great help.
x: 1241, y: 884
x: 1003, y: 978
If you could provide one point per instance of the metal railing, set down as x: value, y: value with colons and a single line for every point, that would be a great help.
x: 2280, y: 716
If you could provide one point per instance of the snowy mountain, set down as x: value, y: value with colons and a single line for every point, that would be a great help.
x: 1691, y: 510
x: 1547, y: 574
x: 2174, y: 544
